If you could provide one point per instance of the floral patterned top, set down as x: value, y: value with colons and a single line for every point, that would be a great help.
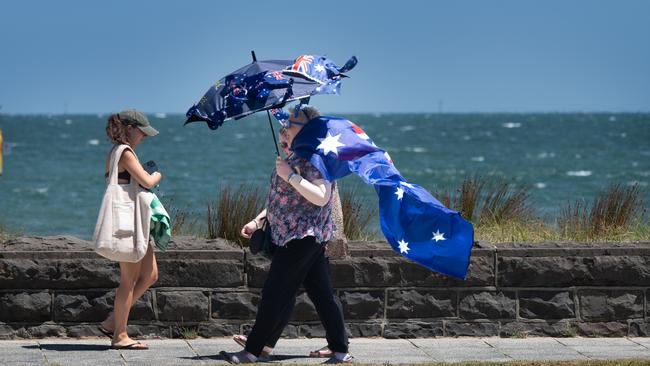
x: 291, y: 215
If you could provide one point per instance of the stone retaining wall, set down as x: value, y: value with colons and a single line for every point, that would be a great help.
x: 57, y: 286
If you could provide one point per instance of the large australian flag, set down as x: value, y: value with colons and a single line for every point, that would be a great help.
x: 415, y: 224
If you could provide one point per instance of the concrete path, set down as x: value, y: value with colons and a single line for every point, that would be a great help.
x: 96, y: 352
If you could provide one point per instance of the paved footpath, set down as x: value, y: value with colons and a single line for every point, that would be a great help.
x: 96, y: 352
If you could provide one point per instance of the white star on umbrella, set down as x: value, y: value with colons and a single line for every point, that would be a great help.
x: 330, y: 144
x: 403, y: 246
x: 437, y: 236
x: 319, y: 68
x: 406, y: 184
x: 399, y: 193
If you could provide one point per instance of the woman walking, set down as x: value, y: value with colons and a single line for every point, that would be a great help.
x: 298, y: 209
x: 126, y: 130
x: 336, y: 248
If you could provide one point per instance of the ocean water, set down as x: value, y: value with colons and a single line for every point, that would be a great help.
x: 54, y: 165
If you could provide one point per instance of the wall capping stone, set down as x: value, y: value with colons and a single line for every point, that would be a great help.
x: 57, y: 286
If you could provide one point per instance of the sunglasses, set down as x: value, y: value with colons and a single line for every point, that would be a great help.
x: 288, y: 123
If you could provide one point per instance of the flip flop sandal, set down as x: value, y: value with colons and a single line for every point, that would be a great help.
x: 240, y: 340
x: 137, y: 346
x: 105, y: 331
x: 321, y: 353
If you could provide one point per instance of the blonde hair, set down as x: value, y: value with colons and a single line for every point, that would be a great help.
x: 310, y: 112
x: 116, y: 131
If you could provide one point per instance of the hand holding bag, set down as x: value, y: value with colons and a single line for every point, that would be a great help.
x: 116, y: 235
x: 261, y: 241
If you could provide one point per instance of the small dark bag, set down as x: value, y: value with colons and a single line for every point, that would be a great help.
x: 261, y: 242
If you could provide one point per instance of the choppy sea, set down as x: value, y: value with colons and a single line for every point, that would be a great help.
x: 54, y: 164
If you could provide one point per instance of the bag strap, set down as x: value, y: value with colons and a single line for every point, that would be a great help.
x: 115, y: 160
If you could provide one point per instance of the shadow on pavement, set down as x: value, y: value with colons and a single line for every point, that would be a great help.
x: 70, y: 347
x: 221, y: 357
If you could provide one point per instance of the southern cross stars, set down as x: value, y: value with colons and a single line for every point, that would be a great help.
x: 399, y: 193
x: 330, y: 144
x: 319, y: 68
x: 406, y: 184
x: 437, y: 236
x: 403, y: 246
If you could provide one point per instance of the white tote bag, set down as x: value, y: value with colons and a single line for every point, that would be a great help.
x: 118, y: 232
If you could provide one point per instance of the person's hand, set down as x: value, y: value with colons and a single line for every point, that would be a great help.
x: 282, y: 168
x: 248, y: 229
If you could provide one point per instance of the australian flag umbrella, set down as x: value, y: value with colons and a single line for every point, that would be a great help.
x: 416, y: 225
x: 263, y: 85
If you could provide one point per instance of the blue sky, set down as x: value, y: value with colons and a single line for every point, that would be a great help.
x: 414, y: 56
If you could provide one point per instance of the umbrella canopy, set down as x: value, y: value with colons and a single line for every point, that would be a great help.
x: 263, y: 85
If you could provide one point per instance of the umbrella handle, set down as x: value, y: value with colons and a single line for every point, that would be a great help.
x: 275, y: 142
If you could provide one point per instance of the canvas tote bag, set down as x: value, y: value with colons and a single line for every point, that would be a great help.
x: 117, y: 233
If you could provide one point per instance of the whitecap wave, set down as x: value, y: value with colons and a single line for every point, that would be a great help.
x: 93, y: 142
x: 160, y: 115
x: 407, y: 128
x: 579, y: 173
x: 540, y: 185
x: 511, y: 125
x: 545, y: 155
x: 478, y: 159
x: 637, y: 183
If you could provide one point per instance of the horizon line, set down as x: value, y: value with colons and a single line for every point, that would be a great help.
x: 345, y: 112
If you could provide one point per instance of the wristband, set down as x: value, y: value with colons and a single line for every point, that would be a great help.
x: 295, y: 175
x: 290, y: 176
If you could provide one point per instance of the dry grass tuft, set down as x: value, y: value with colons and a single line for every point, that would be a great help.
x: 616, y: 212
x: 504, y: 203
x: 484, y: 202
x: 234, y: 208
x: 357, y: 215
x: 183, y: 221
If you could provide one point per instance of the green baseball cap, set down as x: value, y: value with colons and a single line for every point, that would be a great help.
x: 138, y: 119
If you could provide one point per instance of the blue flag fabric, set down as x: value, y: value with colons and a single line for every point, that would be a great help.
x: 322, y: 70
x: 415, y: 224
x: 268, y: 84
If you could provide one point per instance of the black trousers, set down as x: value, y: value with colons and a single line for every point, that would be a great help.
x: 298, y: 262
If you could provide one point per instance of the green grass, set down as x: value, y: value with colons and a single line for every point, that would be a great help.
x: 504, y: 213
x: 188, y: 332
x: 501, y: 212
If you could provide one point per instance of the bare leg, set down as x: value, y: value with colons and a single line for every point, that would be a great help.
x: 123, y: 299
x: 148, y: 276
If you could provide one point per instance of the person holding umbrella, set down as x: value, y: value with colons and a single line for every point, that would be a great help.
x: 336, y: 248
x: 298, y: 209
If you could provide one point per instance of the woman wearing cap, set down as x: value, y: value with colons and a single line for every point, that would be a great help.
x: 298, y: 209
x: 130, y: 127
